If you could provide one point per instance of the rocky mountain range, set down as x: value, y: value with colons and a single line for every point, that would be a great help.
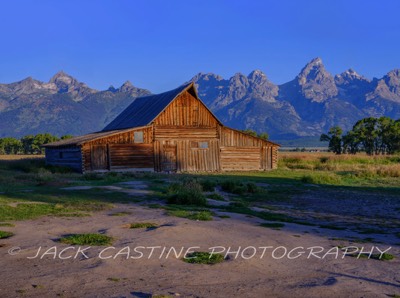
x: 61, y: 106
x: 304, y: 107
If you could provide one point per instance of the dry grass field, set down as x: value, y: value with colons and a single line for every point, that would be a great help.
x: 361, y: 165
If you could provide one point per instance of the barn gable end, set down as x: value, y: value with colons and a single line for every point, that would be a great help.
x: 187, y: 111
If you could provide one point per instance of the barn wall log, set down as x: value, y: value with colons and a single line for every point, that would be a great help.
x: 274, y: 157
x: 188, y: 158
x: 240, y: 158
x: 177, y: 132
x: 133, y: 156
x: 65, y: 156
x: 86, y: 157
x: 157, y: 160
x: 268, y: 153
x: 125, y: 138
x: 198, y: 159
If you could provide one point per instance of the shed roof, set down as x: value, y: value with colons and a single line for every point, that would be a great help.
x: 77, y: 141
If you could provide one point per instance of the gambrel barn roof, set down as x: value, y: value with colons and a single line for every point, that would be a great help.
x: 143, y: 110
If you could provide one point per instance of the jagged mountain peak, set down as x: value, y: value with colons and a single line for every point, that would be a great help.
x: 30, y: 85
x: 127, y: 84
x: 257, y: 76
x: 349, y: 76
x: 238, y: 75
x: 315, y: 64
x: 316, y: 61
x: 351, y: 71
x: 394, y: 73
x: 61, y: 73
x: 126, y: 87
x: 313, y: 70
x: 392, y: 79
x: 238, y: 80
x: 257, y: 72
x: 63, y: 77
x: 315, y: 82
x: 28, y: 79
x: 389, y: 85
x: 131, y: 90
x: 65, y: 83
x: 206, y: 77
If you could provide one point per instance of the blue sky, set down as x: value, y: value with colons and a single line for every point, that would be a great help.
x: 158, y: 45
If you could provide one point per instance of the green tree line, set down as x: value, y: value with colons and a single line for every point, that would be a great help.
x: 371, y: 135
x: 29, y: 144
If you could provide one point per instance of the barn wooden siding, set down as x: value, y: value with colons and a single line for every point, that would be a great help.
x: 241, y: 152
x: 180, y: 131
x: 177, y: 133
x: 65, y: 156
x: 186, y: 111
x: 186, y: 156
x: 119, y: 152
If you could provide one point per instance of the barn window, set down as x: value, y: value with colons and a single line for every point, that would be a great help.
x: 199, y: 145
x: 203, y: 145
x: 138, y: 137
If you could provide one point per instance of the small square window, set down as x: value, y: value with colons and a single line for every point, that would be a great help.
x: 203, y: 145
x: 138, y: 137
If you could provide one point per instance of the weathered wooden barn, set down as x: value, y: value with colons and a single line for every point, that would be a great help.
x: 168, y: 132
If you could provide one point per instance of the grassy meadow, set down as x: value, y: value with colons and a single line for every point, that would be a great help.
x: 342, y: 170
x: 328, y: 184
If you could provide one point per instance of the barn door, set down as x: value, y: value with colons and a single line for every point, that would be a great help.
x: 266, y: 158
x: 269, y: 158
x: 99, y: 157
x: 168, y: 162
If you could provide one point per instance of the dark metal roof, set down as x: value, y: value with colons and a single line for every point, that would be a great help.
x: 143, y: 110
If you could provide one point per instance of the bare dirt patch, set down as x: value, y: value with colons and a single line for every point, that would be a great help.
x: 134, y: 188
x: 366, y: 214
x: 127, y: 277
